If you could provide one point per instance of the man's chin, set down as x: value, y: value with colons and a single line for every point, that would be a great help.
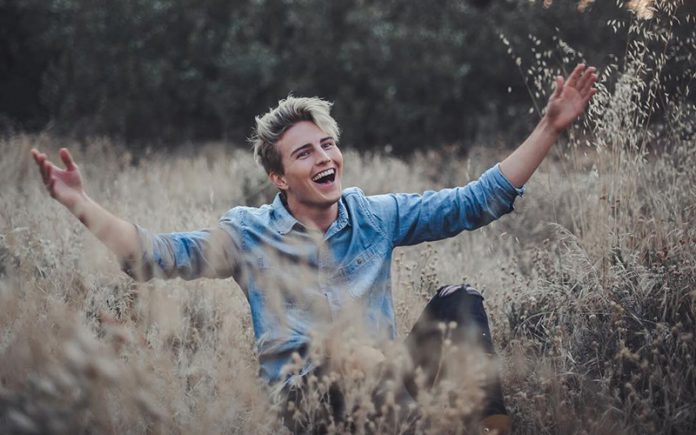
x: 332, y: 195
x: 329, y: 200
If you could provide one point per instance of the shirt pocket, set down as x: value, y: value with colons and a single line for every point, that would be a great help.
x: 267, y: 277
x: 357, y: 275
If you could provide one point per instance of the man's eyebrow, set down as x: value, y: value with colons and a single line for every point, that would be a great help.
x: 300, y: 148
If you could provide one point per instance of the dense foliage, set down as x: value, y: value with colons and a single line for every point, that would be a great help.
x: 401, y: 72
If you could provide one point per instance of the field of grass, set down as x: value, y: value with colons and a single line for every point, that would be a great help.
x: 589, y: 284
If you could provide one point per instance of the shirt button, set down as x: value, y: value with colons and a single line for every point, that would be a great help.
x: 360, y: 261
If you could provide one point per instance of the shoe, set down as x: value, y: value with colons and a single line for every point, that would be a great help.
x: 499, y: 424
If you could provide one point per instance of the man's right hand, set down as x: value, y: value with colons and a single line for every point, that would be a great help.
x: 65, y: 185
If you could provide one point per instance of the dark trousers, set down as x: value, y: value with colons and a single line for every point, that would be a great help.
x: 462, y: 305
x: 459, y: 305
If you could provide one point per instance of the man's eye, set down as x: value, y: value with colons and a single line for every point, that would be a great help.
x: 327, y: 145
x: 302, y: 154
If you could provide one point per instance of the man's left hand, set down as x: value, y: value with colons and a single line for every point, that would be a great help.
x: 571, y: 96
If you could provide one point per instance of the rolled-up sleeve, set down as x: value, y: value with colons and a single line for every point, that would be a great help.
x: 187, y: 255
x: 416, y: 218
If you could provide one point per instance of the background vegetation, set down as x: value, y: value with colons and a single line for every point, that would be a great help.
x: 403, y: 73
x: 589, y: 284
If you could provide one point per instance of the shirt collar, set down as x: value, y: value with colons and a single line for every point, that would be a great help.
x: 340, y: 222
x: 283, y: 222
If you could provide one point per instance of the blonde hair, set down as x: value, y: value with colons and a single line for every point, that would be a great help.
x: 272, y: 125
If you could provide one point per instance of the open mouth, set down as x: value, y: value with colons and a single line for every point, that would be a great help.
x: 325, y: 177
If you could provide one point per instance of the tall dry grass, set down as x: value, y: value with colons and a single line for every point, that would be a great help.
x: 589, y: 284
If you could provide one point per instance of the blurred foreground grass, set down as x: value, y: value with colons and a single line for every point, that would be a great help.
x: 589, y: 283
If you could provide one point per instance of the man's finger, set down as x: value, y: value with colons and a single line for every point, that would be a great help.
x: 37, y: 158
x: 67, y: 159
x: 585, y: 80
x: 48, y: 170
x: 575, y: 75
x: 43, y: 166
x: 588, y: 85
x: 591, y: 81
x: 591, y: 92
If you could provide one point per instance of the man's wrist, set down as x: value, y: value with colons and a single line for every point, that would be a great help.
x: 546, y: 126
x: 81, y: 206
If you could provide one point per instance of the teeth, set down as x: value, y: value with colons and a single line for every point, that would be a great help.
x: 323, y: 174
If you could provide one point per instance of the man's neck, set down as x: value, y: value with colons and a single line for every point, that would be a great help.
x: 319, y: 218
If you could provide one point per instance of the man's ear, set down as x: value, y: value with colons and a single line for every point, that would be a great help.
x: 278, y: 180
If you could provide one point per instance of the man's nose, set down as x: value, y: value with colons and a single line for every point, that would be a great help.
x: 322, y: 156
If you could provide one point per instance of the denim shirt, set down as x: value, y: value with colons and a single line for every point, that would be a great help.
x: 297, y: 280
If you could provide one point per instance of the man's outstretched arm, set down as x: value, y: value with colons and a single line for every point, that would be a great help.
x: 568, y: 101
x: 65, y: 186
x: 143, y: 255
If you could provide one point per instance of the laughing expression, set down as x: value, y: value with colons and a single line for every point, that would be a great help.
x: 312, y: 165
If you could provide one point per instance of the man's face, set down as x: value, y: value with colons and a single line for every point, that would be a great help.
x: 313, y: 166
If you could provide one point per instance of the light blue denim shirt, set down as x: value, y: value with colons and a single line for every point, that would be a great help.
x: 295, y: 279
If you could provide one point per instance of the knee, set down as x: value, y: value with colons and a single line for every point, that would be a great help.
x: 462, y: 304
x: 450, y: 289
x: 459, y: 300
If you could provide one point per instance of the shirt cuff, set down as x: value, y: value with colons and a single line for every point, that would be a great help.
x: 139, y: 266
x: 503, y: 180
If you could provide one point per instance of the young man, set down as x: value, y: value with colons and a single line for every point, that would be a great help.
x: 318, y: 248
